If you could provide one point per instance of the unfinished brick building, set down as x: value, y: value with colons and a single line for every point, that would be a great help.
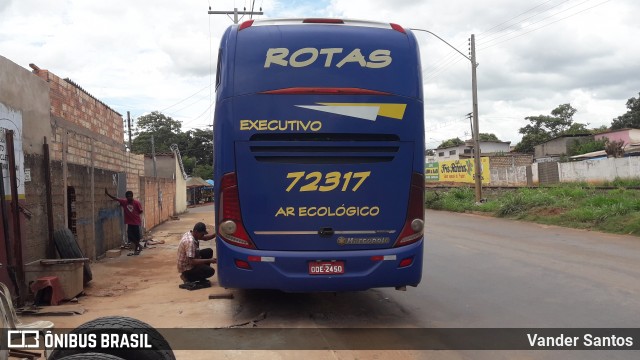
x: 84, y: 154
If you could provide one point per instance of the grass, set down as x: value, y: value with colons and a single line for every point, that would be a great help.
x: 580, y: 206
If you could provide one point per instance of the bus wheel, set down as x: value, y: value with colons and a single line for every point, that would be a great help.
x: 159, y: 350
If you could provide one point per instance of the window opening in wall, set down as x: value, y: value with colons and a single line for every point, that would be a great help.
x: 452, y: 152
x: 441, y: 153
x: 71, y: 209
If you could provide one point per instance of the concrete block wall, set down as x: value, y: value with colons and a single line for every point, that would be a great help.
x: 509, y: 176
x: 598, y: 171
x: 36, y: 237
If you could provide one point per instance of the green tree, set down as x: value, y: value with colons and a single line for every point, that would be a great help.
x: 577, y: 129
x: 189, y: 164
x: 599, y: 130
x: 450, y: 143
x: 543, y: 128
x: 582, y: 147
x: 631, y: 119
x: 198, y: 143
x: 205, y: 171
x: 164, y: 129
x: 488, y: 137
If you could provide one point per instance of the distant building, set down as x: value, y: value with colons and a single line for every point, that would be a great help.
x: 465, y: 150
x: 628, y: 136
x: 555, y: 148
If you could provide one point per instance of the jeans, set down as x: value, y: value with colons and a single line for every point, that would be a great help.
x: 200, y: 272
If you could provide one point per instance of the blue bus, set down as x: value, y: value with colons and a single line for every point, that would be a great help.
x: 319, y: 156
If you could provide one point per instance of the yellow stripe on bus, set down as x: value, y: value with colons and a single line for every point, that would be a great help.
x: 394, y: 111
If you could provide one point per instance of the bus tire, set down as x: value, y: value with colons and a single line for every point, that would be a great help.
x: 91, y: 356
x: 160, y: 349
x: 68, y: 249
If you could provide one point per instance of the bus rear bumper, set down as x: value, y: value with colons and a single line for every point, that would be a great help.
x: 289, y: 271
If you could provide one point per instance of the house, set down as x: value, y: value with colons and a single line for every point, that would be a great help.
x: 430, y: 155
x: 557, y: 147
x: 68, y: 148
x: 465, y: 150
x: 627, y: 136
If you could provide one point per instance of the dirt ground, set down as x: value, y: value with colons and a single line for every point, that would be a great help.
x: 145, y: 287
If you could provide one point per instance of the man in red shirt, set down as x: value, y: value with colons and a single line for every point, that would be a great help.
x: 132, y: 211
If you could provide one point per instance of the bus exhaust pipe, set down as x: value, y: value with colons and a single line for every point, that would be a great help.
x: 401, y: 288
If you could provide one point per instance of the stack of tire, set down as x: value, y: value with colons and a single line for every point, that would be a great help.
x: 160, y: 349
x: 68, y: 249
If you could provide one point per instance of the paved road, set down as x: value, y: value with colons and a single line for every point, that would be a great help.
x: 487, y: 273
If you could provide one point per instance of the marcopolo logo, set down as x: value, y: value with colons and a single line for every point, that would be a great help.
x: 23, y: 339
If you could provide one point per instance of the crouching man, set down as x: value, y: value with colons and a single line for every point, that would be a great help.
x: 194, y: 265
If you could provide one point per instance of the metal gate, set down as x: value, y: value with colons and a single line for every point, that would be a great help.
x: 548, y: 173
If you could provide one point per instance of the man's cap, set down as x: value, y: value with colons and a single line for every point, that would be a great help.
x: 200, y: 227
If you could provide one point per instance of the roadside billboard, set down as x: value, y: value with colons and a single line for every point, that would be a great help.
x: 456, y: 171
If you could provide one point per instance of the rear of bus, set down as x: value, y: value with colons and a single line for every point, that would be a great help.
x: 319, y: 156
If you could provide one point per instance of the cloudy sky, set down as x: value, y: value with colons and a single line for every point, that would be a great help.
x: 147, y: 55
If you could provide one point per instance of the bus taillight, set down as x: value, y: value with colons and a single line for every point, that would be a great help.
x: 245, y: 24
x: 398, y: 28
x: 231, y: 229
x: 413, y: 228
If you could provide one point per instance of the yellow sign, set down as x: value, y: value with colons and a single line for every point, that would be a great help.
x: 457, y: 171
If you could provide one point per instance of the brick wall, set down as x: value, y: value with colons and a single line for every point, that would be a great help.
x: 154, y: 212
x: 87, y: 152
x: 511, y: 160
x: 70, y: 102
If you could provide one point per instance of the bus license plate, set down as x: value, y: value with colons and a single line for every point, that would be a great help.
x: 326, y: 267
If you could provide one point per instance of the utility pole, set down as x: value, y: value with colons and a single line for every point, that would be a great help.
x: 235, y: 13
x: 474, y: 90
x: 476, y: 133
x: 235, y: 19
x: 129, y: 127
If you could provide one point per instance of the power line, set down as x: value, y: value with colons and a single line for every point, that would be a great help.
x: 187, y: 98
x: 438, y: 72
x: 551, y: 23
x: 446, y: 62
x: 517, y: 16
x: 445, y: 124
x: 199, y: 116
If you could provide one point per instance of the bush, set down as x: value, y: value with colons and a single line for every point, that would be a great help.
x: 522, y: 200
x: 570, y: 192
x: 571, y: 205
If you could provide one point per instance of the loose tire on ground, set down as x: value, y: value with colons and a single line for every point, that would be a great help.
x: 91, y: 356
x: 68, y: 249
x: 122, y: 325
